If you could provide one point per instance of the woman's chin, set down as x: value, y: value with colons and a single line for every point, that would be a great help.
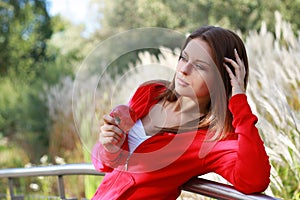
x: 185, y: 91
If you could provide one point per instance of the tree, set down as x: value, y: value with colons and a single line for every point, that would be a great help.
x: 185, y: 16
x: 25, y: 27
x: 29, y: 63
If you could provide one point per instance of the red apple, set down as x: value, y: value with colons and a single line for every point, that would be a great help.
x: 124, y: 116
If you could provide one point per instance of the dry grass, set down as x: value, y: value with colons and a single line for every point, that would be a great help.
x: 274, y: 92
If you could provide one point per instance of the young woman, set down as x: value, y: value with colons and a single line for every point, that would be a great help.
x: 200, y: 122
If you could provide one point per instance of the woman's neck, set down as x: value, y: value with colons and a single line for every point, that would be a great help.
x: 188, y: 106
x: 168, y: 114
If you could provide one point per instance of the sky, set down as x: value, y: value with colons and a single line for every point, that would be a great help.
x: 74, y: 10
x: 77, y: 11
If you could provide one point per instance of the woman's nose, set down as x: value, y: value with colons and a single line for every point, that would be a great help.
x: 186, y: 68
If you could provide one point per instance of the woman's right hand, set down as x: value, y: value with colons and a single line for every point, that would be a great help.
x: 111, y: 136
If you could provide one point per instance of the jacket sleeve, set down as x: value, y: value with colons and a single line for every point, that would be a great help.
x: 146, y: 96
x: 105, y: 161
x: 97, y: 154
x: 243, y: 162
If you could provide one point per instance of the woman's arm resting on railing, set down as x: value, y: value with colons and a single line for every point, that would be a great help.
x: 243, y: 163
x: 220, y: 191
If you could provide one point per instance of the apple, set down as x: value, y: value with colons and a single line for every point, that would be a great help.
x: 124, y: 116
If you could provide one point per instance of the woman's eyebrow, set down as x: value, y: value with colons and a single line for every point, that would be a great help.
x: 197, y: 60
x: 184, y: 52
x: 202, y: 61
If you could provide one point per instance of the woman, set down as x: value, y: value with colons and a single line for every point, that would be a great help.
x: 200, y: 122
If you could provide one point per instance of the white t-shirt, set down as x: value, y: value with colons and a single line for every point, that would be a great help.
x: 136, y: 135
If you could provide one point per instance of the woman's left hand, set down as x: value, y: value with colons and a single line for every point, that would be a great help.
x: 237, y: 80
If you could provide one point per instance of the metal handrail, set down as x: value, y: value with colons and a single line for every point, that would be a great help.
x: 220, y: 191
x: 196, y: 185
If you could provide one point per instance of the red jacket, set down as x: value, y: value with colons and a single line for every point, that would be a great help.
x: 162, y: 163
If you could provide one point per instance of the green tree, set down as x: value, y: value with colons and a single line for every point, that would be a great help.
x: 28, y: 63
x: 245, y: 15
x: 185, y: 16
x: 25, y: 27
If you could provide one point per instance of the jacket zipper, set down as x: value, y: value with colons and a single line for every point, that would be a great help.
x: 126, y: 163
x: 130, y: 153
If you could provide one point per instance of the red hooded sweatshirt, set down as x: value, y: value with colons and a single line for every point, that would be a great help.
x: 160, y: 165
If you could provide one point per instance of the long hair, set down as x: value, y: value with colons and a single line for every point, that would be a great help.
x: 222, y: 43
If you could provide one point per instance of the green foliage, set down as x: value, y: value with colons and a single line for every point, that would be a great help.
x: 11, y: 155
x: 29, y: 63
x: 141, y: 13
x: 186, y: 16
x: 24, y: 28
x: 8, y: 103
x: 8, y: 156
x: 130, y: 44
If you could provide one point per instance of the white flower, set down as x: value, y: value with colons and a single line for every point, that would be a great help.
x: 34, y: 186
x: 44, y: 159
x: 28, y: 165
x: 59, y: 160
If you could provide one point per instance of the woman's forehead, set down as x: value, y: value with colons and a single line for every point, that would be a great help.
x: 198, y: 49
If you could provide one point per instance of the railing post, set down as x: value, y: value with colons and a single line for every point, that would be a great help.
x: 11, y: 187
x: 11, y: 190
x: 61, y: 187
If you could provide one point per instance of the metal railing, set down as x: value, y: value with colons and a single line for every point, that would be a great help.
x: 196, y: 185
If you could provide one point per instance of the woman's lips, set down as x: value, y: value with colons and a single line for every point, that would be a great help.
x: 181, y: 81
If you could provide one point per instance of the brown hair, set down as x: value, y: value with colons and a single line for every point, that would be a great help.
x: 222, y: 43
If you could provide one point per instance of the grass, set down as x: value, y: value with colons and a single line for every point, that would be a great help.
x: 274, y: 95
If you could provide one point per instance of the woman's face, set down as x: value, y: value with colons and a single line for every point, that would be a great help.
x: 195, y: 71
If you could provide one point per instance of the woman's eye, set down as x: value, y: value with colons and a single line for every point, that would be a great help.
x: 198, y: 66
x: 183, y: 58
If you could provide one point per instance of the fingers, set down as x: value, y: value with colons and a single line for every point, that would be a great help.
x: 109, y: 120
x: 231, y: 75
x: 110, y: 140
x: 110, y: 133
x: 238, y: 65
x: 237, y: 78
x: 238, y: 59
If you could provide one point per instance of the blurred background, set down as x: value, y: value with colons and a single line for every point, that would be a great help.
x: 44, y: 43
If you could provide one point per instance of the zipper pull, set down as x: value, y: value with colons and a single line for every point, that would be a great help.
x: 126, y: 164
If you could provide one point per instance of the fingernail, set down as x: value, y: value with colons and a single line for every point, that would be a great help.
x: 235, y: 50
